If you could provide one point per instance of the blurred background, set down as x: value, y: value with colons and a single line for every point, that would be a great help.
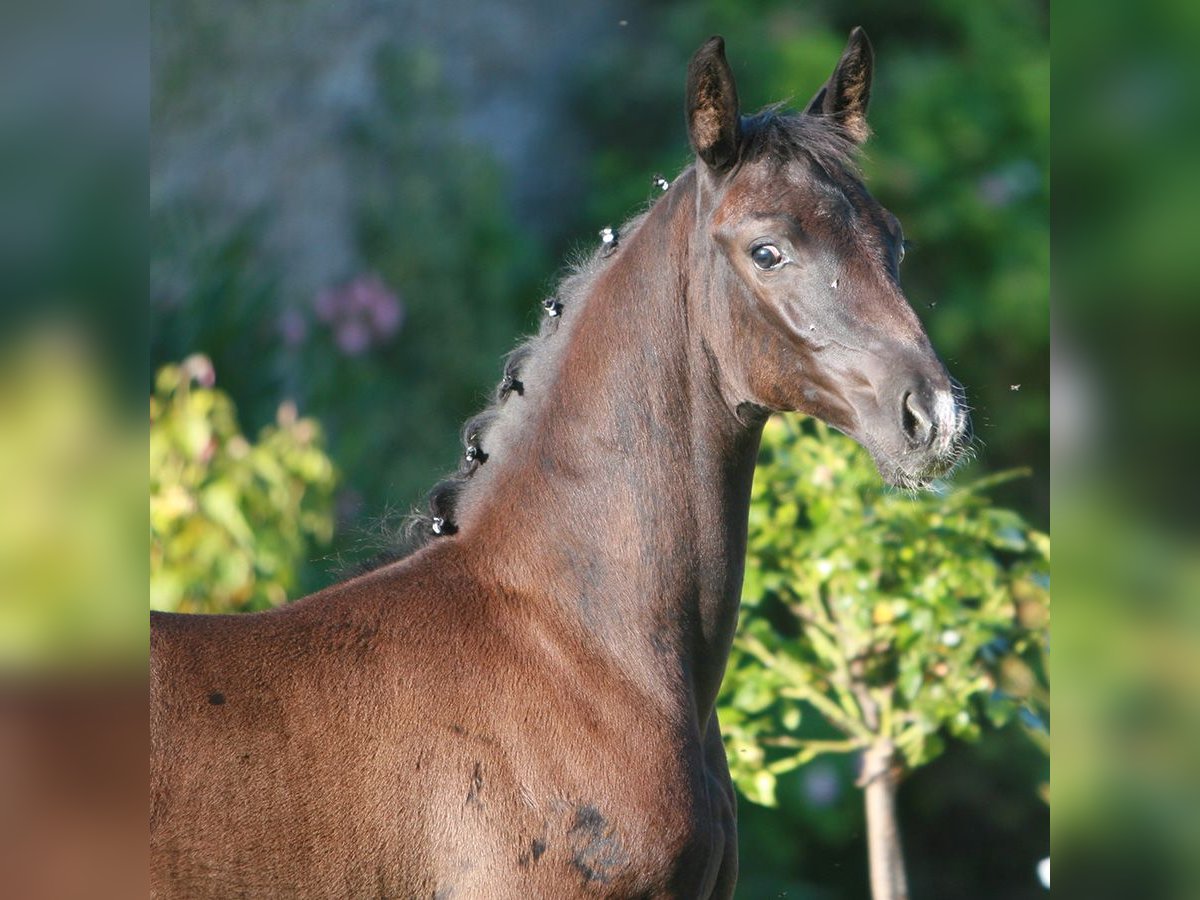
x: 1127, y: 279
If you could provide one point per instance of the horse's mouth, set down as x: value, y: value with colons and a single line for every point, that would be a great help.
x: 921, y: 480
x: 920, y: 473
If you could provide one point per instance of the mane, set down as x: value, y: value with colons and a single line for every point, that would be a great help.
x: 394, y: 537
x: 768, y: 133
x: 775, y: 133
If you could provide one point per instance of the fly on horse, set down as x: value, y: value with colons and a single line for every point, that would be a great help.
x: 523, y: 706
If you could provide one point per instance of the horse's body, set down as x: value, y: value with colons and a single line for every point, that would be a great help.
x: 524, y: 707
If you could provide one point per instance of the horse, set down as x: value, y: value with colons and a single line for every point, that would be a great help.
x: 522, y: 706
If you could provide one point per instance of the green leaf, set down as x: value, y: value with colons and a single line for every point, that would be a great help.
x: 881, y: 592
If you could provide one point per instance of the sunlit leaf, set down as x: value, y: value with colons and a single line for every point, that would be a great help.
x: 923, y: 602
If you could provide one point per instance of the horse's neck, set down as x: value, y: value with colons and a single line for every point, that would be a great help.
x: 620, y: 494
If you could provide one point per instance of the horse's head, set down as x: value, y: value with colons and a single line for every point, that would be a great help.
x: 800, y: 283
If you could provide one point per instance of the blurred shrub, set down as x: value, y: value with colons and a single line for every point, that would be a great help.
x: 230, y: 521
x: 72, y: 557
x: 898, y: 618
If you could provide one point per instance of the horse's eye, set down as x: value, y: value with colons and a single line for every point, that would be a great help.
x: 766, y: 256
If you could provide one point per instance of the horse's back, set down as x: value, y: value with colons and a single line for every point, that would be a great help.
x: 273, y: 750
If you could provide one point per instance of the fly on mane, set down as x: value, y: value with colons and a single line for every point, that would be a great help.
x: 769, y: 133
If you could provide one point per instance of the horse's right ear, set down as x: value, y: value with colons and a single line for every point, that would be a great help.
x: 845, y: 96
x: 712, y: 106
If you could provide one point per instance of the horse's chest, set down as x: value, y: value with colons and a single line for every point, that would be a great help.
x: 644, y: 830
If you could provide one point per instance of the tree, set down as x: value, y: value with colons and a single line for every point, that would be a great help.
x: 898, y: 618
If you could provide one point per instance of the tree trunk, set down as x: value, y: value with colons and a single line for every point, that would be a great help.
x: 880, y: 778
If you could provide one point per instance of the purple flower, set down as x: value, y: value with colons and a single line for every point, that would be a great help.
x: 362, y: 313
x: 352, y: 337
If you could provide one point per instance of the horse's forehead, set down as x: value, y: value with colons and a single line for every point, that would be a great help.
x: 796, y: 186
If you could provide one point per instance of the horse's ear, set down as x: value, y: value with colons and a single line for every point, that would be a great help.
x: 712, y: 106
x: 845, y: 96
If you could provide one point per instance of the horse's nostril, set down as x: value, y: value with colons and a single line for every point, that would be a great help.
x: 916, y: 421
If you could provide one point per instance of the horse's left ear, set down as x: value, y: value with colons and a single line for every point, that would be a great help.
x: 712, y: 106
x: 845, y: 96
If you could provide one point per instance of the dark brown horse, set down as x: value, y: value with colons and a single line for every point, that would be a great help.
x: 523, y: 706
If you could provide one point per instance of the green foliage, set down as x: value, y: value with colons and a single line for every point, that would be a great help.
x: 230, y: 521
x: 894, y: 617
x: 72, y: 532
